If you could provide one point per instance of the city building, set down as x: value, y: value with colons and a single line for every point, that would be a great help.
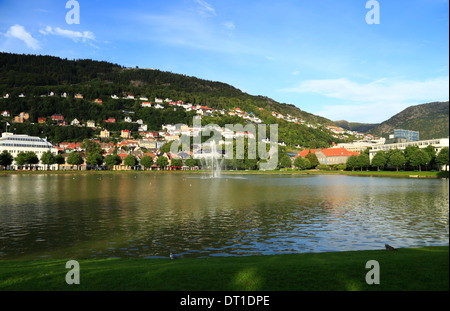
x: 438, y: 144
x: 405, y: 135
x: 333, y: 156
x: 361, y: 145
x: 14, y: 144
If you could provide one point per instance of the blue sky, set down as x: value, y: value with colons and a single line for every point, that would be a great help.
x: 319, y: 55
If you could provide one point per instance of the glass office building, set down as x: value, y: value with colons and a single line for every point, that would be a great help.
x: 406, y: 135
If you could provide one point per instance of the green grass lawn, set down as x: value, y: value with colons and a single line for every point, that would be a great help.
x: 409, y: 269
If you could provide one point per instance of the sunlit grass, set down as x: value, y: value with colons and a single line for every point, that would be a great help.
x: 404, y: 270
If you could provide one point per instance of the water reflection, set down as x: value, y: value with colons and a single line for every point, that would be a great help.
x: 150, y: 215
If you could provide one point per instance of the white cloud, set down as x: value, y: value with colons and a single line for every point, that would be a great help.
x: 19, y: 32
x: 205, y: 8
x: 374, y: 101
x: 229, y: 25
x: 380, y: 90
x: 74, y: 35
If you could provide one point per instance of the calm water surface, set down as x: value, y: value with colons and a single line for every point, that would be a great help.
x: 151, y: 215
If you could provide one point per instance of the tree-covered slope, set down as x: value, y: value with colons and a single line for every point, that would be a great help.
x: 37, y: 76
x: 431, y: 120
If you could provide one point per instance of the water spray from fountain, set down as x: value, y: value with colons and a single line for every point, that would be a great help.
x: 213, y: 162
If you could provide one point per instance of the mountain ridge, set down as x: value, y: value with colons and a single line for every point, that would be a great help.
x: 431, y: 120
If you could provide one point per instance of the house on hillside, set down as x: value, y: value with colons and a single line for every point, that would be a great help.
x: 57, y: 117
x: 105, y: 133
x: 110, y: 120
x: 90, y: 123
x: 125, y: 134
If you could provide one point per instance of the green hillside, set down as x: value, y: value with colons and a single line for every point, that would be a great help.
x: 355, y: 126
x: 37, y: 76
x: 431, y: 120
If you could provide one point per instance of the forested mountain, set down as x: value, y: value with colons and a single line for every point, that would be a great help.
x: 355, y: 126
x: 431, y: 120
x: 38, y: 76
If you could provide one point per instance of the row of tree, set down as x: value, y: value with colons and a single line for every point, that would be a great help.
x: 412, y: 156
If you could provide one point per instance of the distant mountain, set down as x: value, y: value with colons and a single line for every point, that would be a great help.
x: 355, y: 126
x: 431, y: 120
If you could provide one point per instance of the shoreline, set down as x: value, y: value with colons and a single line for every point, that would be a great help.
x: 341, y: 271
x: 405, y: 174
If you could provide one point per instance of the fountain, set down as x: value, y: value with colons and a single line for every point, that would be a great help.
x: 213, y: 162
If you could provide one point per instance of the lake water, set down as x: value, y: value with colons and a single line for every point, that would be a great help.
x: 151, y: 215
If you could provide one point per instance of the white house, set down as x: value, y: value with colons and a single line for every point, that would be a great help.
x: 6, y: 96
x: 75, y: 122
x: 143, y: 98
x: 143, y: 128
x: 114, y: 96
x: 146, y: 104
x: 158, y: 106
x: 158, y: 100
x: 5, y: 114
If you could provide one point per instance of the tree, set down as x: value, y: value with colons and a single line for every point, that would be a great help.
x: 380, y: 159
x: 285, y: 161
x: 431, y: 151
x: 24, y: 158
x: 363, y: 161
x: 75, y: 159
x: 442, y: 157
x: 162, y: 161
x: 191, y: 162
x: 130, y: 160
x: 112, y: 159
x: 408, y: 152
x: 94, y: 159
x: 48, y: 159
x: 419, y: 158
x: 91, y: 147
x: 302, y: 163
x: 21, y: 159
x: 147, y: 161
x: 177, y: 162
x: 312, y: 158
x: 397, y: 159
x: 352, y: 162
x: 6, y: 159
x: 32, y: 158
x: 59, y: 159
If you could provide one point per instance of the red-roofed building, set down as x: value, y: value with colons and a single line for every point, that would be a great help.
x: 110, y: 120
x: 305, y: 152
x: 333, y: 156
x: 57, y: 117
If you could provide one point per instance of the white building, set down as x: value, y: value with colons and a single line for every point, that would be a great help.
x: 361, y: 145
x: 14, y: 144
x: 438, y: 144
